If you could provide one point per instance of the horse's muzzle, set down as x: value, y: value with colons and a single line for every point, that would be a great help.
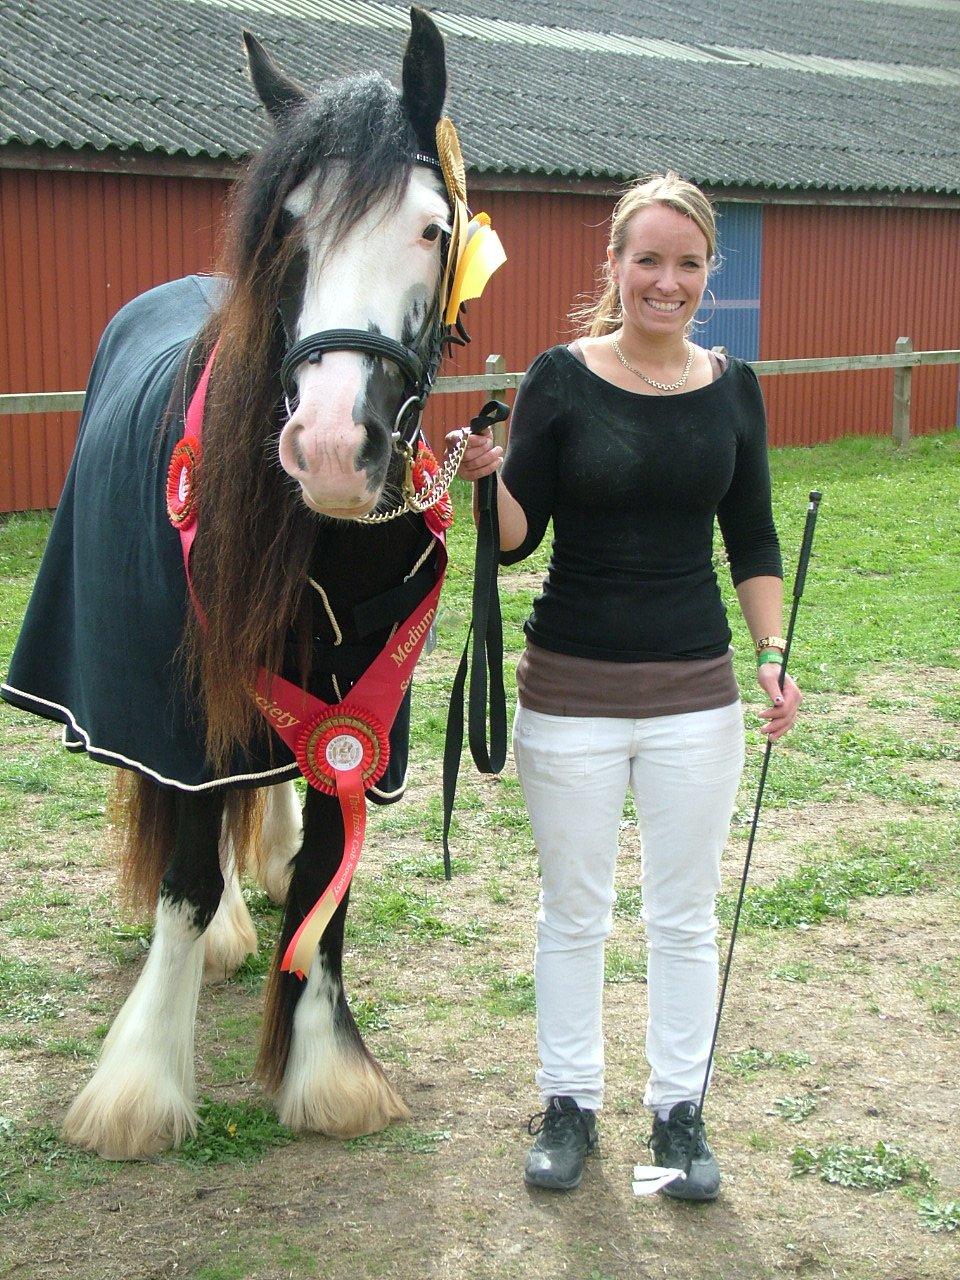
x: 339, y: 463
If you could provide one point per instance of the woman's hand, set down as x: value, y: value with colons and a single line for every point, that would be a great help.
x: 782, y: 716
x: 481, y: 458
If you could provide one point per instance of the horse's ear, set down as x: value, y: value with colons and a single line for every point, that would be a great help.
x: 424, y: 78
x: 278, y: 94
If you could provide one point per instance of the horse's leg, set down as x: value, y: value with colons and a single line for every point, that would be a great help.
x: 280, y: 840
x: 312, y: 1054
x: 231, y: 935
x: 140, y: 1100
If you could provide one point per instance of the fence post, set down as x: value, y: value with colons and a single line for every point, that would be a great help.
x: 902, y: 387
x: 497, y: 364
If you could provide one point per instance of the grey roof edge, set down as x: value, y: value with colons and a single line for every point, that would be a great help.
x: 17, y: 154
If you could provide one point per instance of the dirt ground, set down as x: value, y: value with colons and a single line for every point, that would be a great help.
x: 836, y: 1008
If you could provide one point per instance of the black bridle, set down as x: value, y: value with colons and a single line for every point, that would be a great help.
x: 417, y: 363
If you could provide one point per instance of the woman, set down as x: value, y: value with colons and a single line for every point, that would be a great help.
x: 632, y: 440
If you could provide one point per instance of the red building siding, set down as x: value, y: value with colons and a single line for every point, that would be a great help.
x: 842, y: 280
x: 835, y: 280
x: 74, y: 247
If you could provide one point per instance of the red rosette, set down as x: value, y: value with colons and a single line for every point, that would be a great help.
x: 439, y: 515
x: 340, y: 739
x: 181, y: 487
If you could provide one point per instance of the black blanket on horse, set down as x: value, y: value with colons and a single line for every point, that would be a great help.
x: 99, y: 646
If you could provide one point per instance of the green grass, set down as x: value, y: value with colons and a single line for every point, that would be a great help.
x: 629, y: 903
x: 510, y: 994
x: 624, y: 966
x: 939, y: 1216
x: 35, y: 992
x: 800, y: 971
x: 37, y: 1167
x: 794, y: 1108
x: 747, y: 1063
x: 402, y: 1138
x: 875, y: 1168
x: 938, y: 987
x: 237, y: 1131
x: 380, y: 913
x: 368, y: 1014
x: 886, y: 533
x: 825, y: 889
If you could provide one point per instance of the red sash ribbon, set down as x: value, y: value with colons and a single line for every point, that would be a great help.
x: 341, y: 748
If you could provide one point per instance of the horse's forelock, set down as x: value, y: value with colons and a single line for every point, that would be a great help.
x: 360, y: 121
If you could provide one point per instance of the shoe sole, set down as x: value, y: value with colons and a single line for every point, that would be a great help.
x: 554, y: 1184
x: 678, y: 1191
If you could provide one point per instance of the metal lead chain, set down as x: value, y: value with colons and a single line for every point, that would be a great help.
x: 430, y: 494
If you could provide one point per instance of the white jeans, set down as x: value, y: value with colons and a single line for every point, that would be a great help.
x: 683, y: 771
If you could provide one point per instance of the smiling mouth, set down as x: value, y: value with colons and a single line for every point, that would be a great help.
x: 666, y: 307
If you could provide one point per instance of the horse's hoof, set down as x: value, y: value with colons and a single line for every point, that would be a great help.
x: 121, y: 1129
x: 353, y: 1097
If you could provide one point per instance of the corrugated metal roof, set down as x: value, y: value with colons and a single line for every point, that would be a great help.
x: 862, y: 95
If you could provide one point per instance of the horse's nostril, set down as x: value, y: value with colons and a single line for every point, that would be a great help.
x: 295, y: 454
x: 298, y: 457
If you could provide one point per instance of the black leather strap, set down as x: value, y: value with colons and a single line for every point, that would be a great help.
x: 487, y: 737
x: 395, y: 604
x: 373, y: 344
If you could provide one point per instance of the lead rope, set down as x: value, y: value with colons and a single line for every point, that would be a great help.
x: 487, y: 737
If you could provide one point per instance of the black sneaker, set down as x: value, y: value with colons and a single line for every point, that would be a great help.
x: 678, y: 1140
x: 565, y: 1136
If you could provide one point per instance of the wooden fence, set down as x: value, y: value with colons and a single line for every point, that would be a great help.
x: 496, y: 381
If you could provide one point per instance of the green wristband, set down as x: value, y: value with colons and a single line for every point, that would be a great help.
x: 769, y: 655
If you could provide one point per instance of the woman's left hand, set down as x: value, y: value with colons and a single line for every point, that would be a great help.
x: 782, y: 716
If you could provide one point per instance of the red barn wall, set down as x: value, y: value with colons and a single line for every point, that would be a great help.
x: 846, y: 280
x: 75, y: 246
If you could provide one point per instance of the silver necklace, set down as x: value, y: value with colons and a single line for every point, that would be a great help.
x: 652, y: 382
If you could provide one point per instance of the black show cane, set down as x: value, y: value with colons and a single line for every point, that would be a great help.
x: 649, y: 1178
x: 486, y: 631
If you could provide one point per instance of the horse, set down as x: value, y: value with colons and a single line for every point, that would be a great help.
x: 316, y: 348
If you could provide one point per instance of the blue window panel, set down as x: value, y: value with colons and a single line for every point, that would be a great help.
x: 735, y: 323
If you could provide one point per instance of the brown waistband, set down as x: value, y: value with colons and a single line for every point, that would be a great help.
x: 559, y: 684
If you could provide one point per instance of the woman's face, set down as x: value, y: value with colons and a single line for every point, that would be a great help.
x: 662, y: 271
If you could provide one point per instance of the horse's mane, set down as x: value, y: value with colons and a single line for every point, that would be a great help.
x: 250, y: 558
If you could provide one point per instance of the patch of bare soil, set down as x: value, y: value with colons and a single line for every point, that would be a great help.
x: 444, y: 1197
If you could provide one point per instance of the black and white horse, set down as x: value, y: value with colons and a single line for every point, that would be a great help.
x: 338, y: 231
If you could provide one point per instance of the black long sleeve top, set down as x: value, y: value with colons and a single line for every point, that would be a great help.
x: 633, y: 484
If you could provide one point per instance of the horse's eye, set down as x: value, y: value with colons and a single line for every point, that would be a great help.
x: 432, y: 232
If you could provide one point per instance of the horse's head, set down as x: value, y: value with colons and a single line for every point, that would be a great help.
x: 357, y: 220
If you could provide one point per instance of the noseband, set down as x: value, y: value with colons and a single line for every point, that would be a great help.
x: 418, y: 374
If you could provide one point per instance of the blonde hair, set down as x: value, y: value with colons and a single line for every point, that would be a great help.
x: 602, y: 314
